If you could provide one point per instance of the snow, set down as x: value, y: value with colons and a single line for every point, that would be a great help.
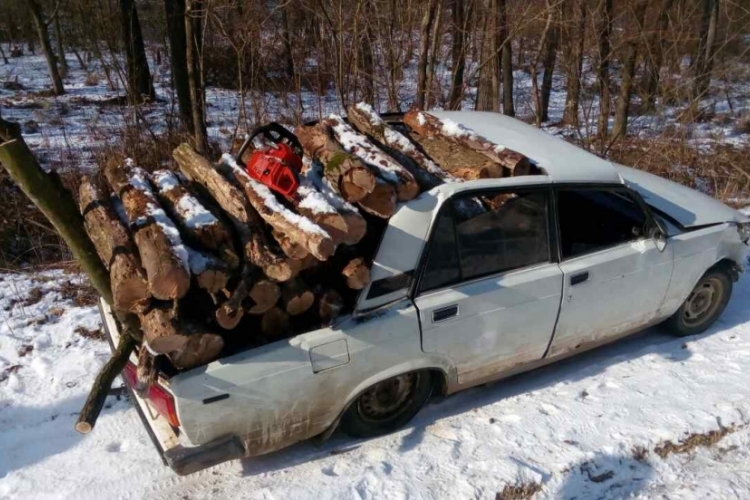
x: 270, y: 201
x: 313, y: 174
x: 576, y: 427
x: 139, y: 180
x: 198, y: 261
x: 194, y: 213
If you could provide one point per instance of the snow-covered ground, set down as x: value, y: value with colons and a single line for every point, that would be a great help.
x: 589, y: 427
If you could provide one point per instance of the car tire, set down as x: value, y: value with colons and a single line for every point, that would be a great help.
x: 703, y: 306
x: 388, y: 405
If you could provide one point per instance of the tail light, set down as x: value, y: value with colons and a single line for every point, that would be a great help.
x: 160, y: 399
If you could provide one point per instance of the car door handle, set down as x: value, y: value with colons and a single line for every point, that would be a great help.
x: 444, y: 313
x: 579, y: 278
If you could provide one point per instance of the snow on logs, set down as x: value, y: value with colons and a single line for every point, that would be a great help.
x: 112, y: 240
x: 432, y: 127
x: 162, y: 253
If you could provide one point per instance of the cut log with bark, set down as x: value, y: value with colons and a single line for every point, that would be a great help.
x: 274, y: 323
x: 290, y: 248
x: 356, y: 226
x: 162, y: 253
x: 430, y: 126
x: 297, y: 228
x: 357, y: 274
x: 381, y: 202
x: 210, y: 273
x: 265, y: 294
x: 330, y: 304
x: 201, y: 348
x: 130, y: 291
x: 424, y: 170
x: 245, y: 220
x: 346, y: 173
x: 195, y: 220
x: 160, y: 327
x: 299, y: 265
x: 314, y: 205
x: 296, y: 297
x: 385, y: 167
x: 147, y: 371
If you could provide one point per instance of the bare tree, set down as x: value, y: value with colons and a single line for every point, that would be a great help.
x: 549, y: 58
x: 488, y: 87
x: 575, y: 39
x: 604, y: 33
x: 140, y: 86
x: 428, y: 18
x: 704, y: 60
x: 44, y: 40
x: 534, y: 66
x: 194, y: 14
x: 60, y: 49
x: 459, y: 31
x: 175, y: 16
x: 620, y: 127
x: 506, y: 58
x: 656, y: 54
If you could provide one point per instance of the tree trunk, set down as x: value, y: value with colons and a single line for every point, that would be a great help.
x: 506, y: 60
x: 705, y: 58
x: 488, y: 90
x: 604, y: 32
x: 296, y: 297
x: 549, y: 59
x: 620, y: 127
x: 544, y: 43
x: 357, y: 274
x: 656, y: 56
x: 287, y: 41
x: 575, y: 39
x: 175, y: 12
x: 49, y: 54
x: 60, y: 49
x: 428, y: 18
x: 140, y: 86
x: 458, y: 52
x: 193, y: 17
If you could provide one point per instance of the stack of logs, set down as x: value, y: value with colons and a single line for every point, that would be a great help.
x: 210, y: 235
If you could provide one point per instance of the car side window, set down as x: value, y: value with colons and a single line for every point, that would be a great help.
x: 595, y: 219
x: 476, y: 236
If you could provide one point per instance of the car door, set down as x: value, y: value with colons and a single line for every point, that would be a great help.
x: 489, y: 291
x: 615, y: 277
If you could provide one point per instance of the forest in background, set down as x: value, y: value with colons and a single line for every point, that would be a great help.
x: 626, y: 79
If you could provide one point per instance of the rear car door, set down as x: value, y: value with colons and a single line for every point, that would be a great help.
x: 489, y: 291
x: 615, y: 277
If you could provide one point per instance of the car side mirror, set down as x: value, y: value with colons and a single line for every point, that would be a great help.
x: 659, y: 235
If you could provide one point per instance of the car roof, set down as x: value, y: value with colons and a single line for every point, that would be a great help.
x: 563, y: 162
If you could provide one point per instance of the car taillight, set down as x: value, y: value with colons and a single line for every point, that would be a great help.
x: 161, y: 400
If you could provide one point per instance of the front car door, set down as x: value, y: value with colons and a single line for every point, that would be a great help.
x: 615, y: 277
x: 489, y: 291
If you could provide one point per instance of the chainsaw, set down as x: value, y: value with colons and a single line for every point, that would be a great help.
x: 277, y: 163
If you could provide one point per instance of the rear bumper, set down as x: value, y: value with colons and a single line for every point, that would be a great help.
x: 182, y: 459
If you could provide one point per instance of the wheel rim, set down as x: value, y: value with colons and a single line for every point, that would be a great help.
x: 702, y: 302
x: 387, y: 399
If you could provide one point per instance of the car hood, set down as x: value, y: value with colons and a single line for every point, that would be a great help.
x: 687, y: 206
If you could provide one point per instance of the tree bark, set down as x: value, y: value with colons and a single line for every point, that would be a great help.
x: 140, y: 86
x: 705, y: 58
x: 576, y: 37
x: 44, y: 40
x: 506, y: 58
x: 159, y: 245
x: 265, y: 294
x: 175, y: 12
x: 116, y: 249
x: 656, y: 56
x: 296, y: 297
x: 193, y: 16
x: 488, y: 90
x: 60, y: 49
x: 549, y: 59
x: 210, y: 273
x: 458, y: 52
x: 330, y: 304
x: 428, y: 18
x: 604, y: 32
x: 620, y: 127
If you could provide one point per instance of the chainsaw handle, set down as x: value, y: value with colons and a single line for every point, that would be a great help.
x: 275, y: 133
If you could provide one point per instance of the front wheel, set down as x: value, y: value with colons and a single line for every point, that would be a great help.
x: 703, y: 306
x: 388, y: 405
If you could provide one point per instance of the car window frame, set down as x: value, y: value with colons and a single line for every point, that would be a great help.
x: 553, y: 247
x: 616, y: 188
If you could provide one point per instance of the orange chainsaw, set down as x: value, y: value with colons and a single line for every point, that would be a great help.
x: 278, y: 162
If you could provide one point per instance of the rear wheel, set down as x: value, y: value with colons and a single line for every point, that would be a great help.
x: 703, y: 306
x: 388, y: 405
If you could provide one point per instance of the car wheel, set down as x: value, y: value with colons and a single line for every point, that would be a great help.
x: 703, y: 306
x: 388, y: 405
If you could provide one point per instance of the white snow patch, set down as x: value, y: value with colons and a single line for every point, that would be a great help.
x: 194, y: 213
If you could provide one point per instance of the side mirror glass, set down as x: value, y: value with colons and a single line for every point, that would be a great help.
x: 660, y: 239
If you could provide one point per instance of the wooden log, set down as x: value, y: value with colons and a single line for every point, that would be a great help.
x: 424, y: 170
x: 381, y: 202
x: 356, y: 226
x: 195, y: 220
x: 130, y: 291
x: 147, y: 371
x: 161, y: 333
x: 315, y: 206
x: 357, y: 274
x: 201, y: 348
x: 229, y: 317
x: 162, y: 253
x: 210, y: 273
x: 298, y: 229
x: 274, y: 323
x: 265, y: 294
x: 296, y: 297
x: 299, y: 265
x: 380, y: 162
x: 346, y: 173
x: 245, y: 220
x: 330, y: 304
x: 290, y: 248
x: 430, y: 126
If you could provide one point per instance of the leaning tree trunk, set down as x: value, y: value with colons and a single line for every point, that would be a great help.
x: 193, y: 16
x: 49, y: 54
x: 140, y: 86
x: 620, y: 127
x: 56, y: 203
x: 175, y: 11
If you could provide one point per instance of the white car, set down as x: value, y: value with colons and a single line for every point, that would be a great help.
x: 569, y: 260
